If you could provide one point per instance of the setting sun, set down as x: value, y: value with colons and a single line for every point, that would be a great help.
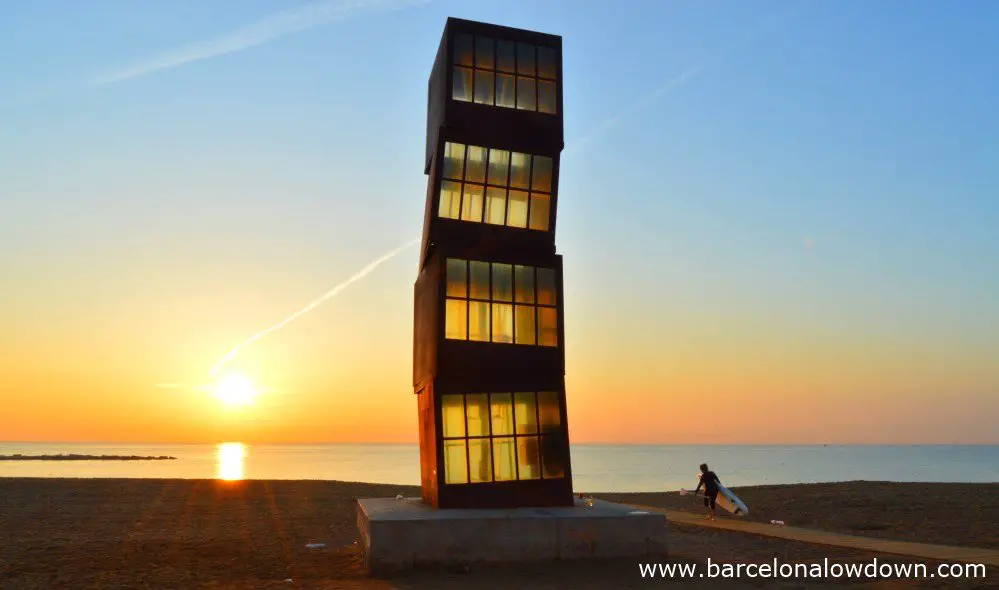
x: 236, y: 390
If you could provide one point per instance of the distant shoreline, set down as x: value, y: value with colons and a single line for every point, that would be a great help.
x: 19, y: 457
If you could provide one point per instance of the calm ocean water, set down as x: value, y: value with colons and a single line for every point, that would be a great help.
x: 596, y: 468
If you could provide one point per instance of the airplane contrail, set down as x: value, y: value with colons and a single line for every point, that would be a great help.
x: 274, y: 26
x: 371, y: 266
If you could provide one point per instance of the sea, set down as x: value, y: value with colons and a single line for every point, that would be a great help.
x: 595, y: 468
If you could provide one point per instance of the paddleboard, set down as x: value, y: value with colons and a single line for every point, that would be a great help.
x: 730, y: 502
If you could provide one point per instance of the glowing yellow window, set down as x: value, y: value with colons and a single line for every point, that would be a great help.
x: 502, y: 322
x: 457, y: 278
x: 540, y: 205
x: 478, y: 321
x: 501, y: 411
x: 450, y: 205
x: 454, y: 160
x: 453, y: 415
x: 506, y: 91
x: 495, y: 205
x: 480, y: 460
x: 477, y: 407
x: 520, y: 170
x: 499, y: 165
x: 456, y: 319
x: 528, y: 458
x: 524, y: 330
x: 455, y: 467
x: 547, y: 326
x: 483, y: 87
x: 516, y: 215
x: 471, y: 203
x: 525, y: 413
x: 504, y: 455
x: 548, y: 410
x: 462, y: 87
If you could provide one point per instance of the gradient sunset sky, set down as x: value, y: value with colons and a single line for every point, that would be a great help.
x: 780, y: 220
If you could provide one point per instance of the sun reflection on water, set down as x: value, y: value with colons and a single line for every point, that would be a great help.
x: 230, y: 460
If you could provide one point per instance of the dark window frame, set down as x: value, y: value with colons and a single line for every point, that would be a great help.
x: 538, y: 435
x: 494, y: 71
x: 513, y: 303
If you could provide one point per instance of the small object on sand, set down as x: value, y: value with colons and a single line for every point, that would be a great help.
x: 777, y: 522
x: 399, y: 497
x: 315, y: 546
x: 288, y: 580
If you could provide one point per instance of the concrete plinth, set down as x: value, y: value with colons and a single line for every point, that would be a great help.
x: 405, y: 533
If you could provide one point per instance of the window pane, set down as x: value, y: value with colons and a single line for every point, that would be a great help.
x: 505, y: 56
x: 520, y: 170
x: 541, y: 174
x: 475, y: 164
x: 471, y: 204
x: 484, y: 53
x: 528, y: 458
x: 450, y: 205
x: 523, y: 280
x: 499, y: 166
x: 540, y: 205
x: 505, y: 468
x: 463, y: 50
x: 516, y: 215
x: 553, y: 454
x: 547, y: 326
x: 525, y: 59
x: 479, y: 274
x: 480, y: 460
x: 454, y: 462
x: 548, y: 411
x: 502, y: 322
x: 462, y: 89
x: 546, y: 287
x: 502, y: 282
x: 525, y: 413
x: 524, y: 315
x: 457, y: 278
x: 456, y: 320
x: 525, y: 94
x: 483, y: 87
x: 454, y: 160
x: 477, y: 407
x: 453, y: 415
x: 495, y: 205
x: 505, y: 91
x: 547, y: 62
x: 478, y: 321
x: 501, y: 410
x: 547, y: 101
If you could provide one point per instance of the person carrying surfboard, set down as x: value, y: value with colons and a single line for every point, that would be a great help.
x: 710, y: 482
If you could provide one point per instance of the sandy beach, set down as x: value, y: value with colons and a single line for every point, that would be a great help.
x: 142, y: 533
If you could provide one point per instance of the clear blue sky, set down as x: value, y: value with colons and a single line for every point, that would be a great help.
x: 819, y: 169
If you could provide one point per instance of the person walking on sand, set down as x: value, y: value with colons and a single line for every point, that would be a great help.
x: 710, y: 482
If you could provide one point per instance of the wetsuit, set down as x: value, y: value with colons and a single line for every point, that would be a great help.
x: 710, y: 482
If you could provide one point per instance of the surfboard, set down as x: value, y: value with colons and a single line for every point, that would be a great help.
x: 730, y: 502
